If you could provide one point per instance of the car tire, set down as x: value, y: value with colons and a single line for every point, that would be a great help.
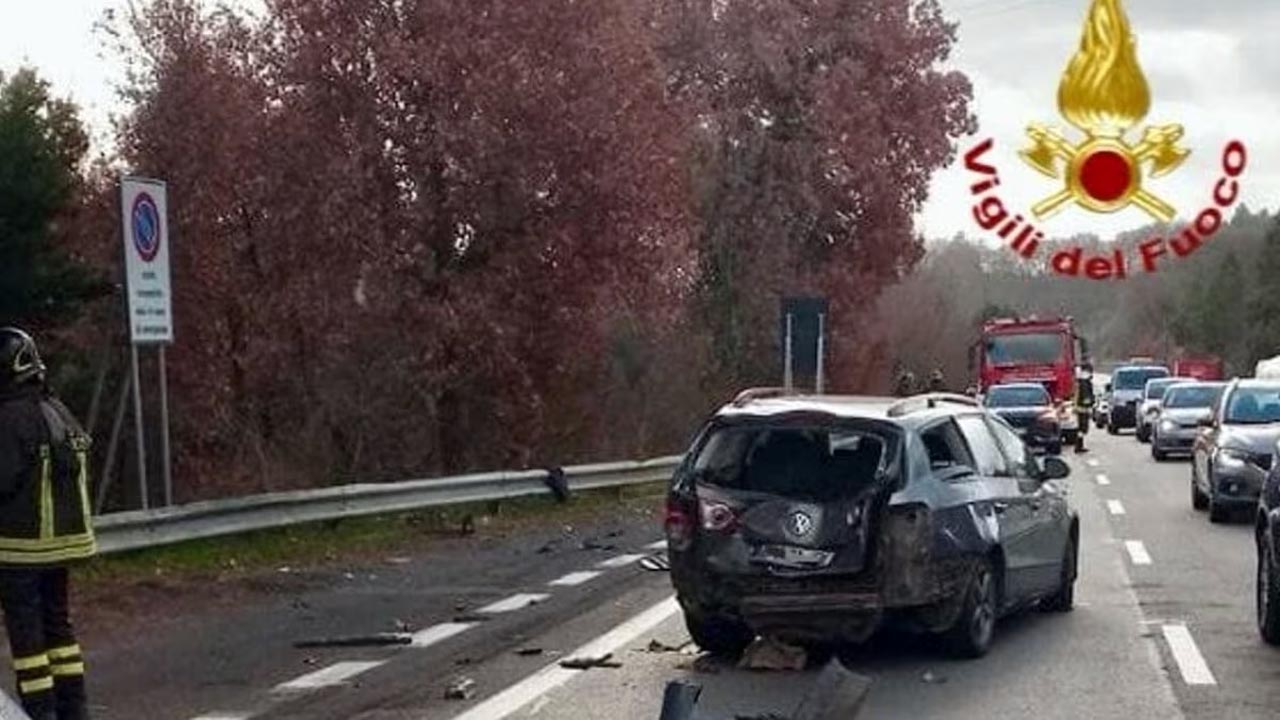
x: 1217, y: 513
x: 1157, y: 454
x: 1064, y: 600
x: 1198, y: 500
x: 1142, y: 434
x: 971, y: 635
x: 1268, y: 594
x: 720, y: 636
x: 1055, y: 449
x: 1111, y: 429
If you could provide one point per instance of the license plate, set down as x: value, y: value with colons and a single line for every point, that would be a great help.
x: 793, y: 556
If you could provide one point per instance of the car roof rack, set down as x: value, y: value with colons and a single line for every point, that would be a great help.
x: 759, y: 393
x: 928, y: 401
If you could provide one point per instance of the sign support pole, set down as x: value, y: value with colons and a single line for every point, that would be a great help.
x: 787, y: 371
x: 822, y: 347
x: 164, y: 430
x: 139, y: 427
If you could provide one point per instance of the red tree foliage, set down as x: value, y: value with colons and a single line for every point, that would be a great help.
x: 423, y: 236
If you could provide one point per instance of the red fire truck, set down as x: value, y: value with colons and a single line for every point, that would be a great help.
x: 1045, y: 351
x: 1200, y: 368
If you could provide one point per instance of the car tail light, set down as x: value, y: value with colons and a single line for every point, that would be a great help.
x: 679, y: 525
x: 716, y: 516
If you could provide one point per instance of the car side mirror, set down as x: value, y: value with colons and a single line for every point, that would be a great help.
x: 1054, y: 468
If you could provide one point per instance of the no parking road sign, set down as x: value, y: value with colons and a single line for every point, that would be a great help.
x: 144, y: 209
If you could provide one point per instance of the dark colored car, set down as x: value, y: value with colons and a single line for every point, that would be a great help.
x: 813, y: 518
x: 1232, y: 453
x: 1183, y: 409
x: 1029, y: 409
x: 1124, y: 392
x: 1267, y: 541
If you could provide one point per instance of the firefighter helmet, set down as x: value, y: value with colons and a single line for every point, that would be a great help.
x: 19, y: 358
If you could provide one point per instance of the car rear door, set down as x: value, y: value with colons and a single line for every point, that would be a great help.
x: 1050, y: 525
x: 1012, y: 508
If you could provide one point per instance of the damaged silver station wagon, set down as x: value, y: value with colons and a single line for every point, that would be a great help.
x: 814, y: 519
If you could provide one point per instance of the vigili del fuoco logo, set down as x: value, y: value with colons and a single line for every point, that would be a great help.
x: 1105, y: 96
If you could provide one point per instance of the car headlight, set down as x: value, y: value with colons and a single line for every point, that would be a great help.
x: 1231, y: 457
x: 1168, y: 426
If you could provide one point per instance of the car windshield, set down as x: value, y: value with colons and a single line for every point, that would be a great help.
x: 1192, y: 396
x: 1136, y: 379
x: 1040, y: 348
x: 812, y: 463
x: 1017, y: 397
x: 1254, y: 406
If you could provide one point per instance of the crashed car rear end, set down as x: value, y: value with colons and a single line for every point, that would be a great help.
x: 781, y: 523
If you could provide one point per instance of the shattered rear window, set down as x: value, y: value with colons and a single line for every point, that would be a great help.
x: 802, y: 462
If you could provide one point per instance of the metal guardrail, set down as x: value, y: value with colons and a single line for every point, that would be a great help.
x: 133, y: 530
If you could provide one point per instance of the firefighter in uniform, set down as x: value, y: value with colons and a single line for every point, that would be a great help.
x: 1083, y: 403
x: 44, y: 526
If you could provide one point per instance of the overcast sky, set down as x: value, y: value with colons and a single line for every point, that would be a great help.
x: 1212, y: 66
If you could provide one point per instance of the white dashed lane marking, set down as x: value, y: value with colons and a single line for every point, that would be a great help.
x: 1091, y: 462
x: 1195, y: 671
x: 617, y: 562
x: 1103, y: 480
x: 660, y: 545
x: 335, y: 674
x: 575, y: 578
x: 438, y: 633
x: 519, y: 601
x: 223, y: 716
x: 1137, y: 552
x: 1115, y: 507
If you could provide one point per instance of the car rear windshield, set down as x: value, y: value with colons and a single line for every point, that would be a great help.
x: 1193, y: 396
x: 1254, y: 406
x: 811, y: 463
x: 1017, y: 397
x: 1155, y: 389
x: 1037, y: 348
x: 1137, y: 379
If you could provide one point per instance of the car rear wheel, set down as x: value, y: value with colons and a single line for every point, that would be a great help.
x: 1268, y: 597
x: 719, y: 636
x: 1111, y: 429
x: 1217, y: 513
x: 1157, y: 454
x: 1064, y: 599
x: 971, y: 635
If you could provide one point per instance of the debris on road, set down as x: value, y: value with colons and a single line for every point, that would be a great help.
x: 526, y: 652
x: 464, y: 688
x: 704, y: 664
x: 586, y: 663
x: 933, y: 679
x: 656, y: 563
x: 402, y: 626
x: 837, y: 693
x: 376, y: 640
x: 657, y: 646
x: 769, y: 653
x: 471, y: 618
x: 590, y: 544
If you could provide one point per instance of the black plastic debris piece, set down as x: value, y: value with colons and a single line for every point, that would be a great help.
x: 526, y: 652
x: 471, y: 617
x: 558, y: 484
x: 586, y: 663
x: 679, y: 699
x: 375, y: 640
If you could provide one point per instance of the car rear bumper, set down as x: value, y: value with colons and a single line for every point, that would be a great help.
x: 1124, y: 416
x: 1179, y: 441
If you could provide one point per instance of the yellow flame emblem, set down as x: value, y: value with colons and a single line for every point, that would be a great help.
x: 1104, y: 94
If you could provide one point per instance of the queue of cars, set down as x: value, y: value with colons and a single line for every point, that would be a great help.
x: 1231, y: 431
x: 815, y: 519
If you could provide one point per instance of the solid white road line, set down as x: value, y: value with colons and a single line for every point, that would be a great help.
x: 1091, y: 462
x: 1115, y: 507
x: 224, y: 716
x: 576, y: 578
x: 519, y: 601
x: 660, y: 545
x: 1103, y: 479
x: 1195, y: 671
x: 552, y: 676
x: 438, y: 633
x: 617, y: 562
x: 335, y: 674
x: 1137, y: 552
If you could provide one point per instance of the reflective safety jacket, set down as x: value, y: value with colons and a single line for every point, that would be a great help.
x: 44, y: 482
x: 1084, y: 394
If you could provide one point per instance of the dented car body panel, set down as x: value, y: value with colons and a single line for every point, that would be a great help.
x: 831, y: 563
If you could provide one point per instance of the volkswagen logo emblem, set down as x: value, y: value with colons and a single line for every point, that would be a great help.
x: 800, y: 523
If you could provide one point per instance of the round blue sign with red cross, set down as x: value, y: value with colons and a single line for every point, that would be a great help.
x: 146, y: 227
